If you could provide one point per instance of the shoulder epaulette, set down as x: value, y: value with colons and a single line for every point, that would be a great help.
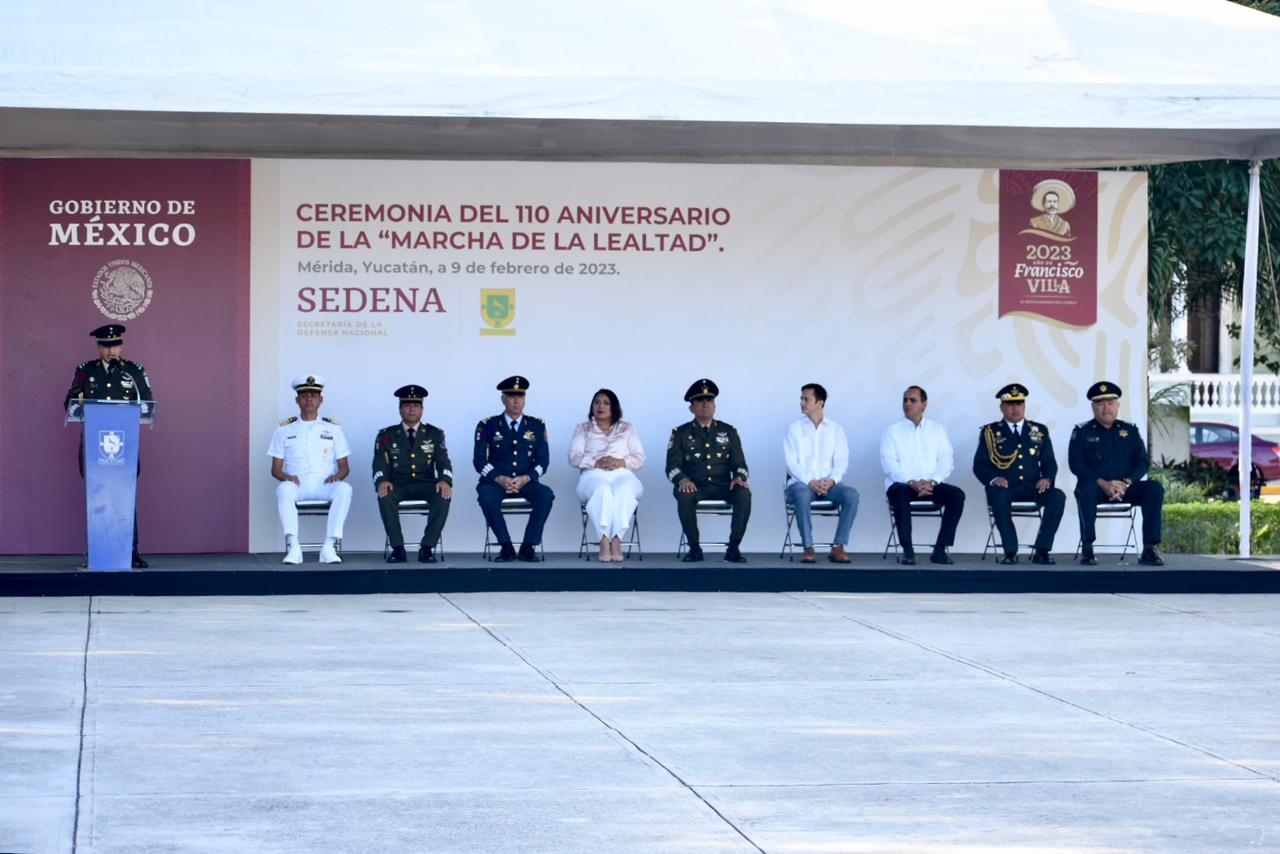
x: 289, y: 420
x: 330, y: 420
x: 1084, y: 424
x: 536, y: 418
x: 83, y: 365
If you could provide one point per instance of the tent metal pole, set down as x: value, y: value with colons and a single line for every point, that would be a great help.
x: 1247, y: 319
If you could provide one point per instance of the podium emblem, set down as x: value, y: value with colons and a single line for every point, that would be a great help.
x: 110, y: 447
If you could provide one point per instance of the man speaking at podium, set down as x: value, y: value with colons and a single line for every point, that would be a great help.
x: 109, y: 377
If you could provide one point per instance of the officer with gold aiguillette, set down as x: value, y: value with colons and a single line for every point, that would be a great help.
x: 1015, y: 462
x: 110, y: 377
x: 705, y: 461
x: 411, y: 463
x: 511, y: 456
x: 1109, y: 460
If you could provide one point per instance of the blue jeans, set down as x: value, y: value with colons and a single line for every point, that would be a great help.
x: 799, y: 495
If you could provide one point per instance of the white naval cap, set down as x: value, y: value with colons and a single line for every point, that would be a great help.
x: 308, y: 382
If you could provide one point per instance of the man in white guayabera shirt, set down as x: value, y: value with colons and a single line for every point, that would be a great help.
x: 816, y: 452
x: 916, y: 456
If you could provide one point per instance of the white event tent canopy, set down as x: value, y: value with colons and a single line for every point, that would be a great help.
x: 1026, y: 83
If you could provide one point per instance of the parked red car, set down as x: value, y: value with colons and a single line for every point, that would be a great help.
x: 1211, y: 440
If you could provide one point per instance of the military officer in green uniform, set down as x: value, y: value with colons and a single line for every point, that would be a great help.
x: 110, y: 377
x: 1015, y: 462
x: 705, y: 461
x: 1109, y: 460
x: 511, y: 455
x: 411, y: 463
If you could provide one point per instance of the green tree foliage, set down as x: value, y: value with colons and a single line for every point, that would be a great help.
x: 1197, y: 236
x: 1196, y: 241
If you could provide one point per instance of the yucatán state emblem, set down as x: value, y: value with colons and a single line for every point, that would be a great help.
x: 110, y: 447
x: 498, y: 310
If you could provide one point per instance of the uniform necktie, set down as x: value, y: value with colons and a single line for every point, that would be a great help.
x: 411, y: 431
x: 1017, y: 431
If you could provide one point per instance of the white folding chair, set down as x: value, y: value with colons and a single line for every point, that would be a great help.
x: 706, y: 508
x: 318, y: 509
x: 920, y: 509
x: 414, y: 507
x: 1119, y: 510
x: 1018, y: 510
x: 514, y: 506
x: 629, y: 542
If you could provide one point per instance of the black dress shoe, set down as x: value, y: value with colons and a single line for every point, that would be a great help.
x: 907, y: 559
x: 397, y: 555
x: 694, y: 555
x: 732, y: 555
x: 1087, y: 558
x: 529, y: 554
x: 1043, y: 558
x: 1150, y: 557
x: 426, y: 555
x: 941, y: 556
x: 1009, y: 560
x: 506, y: 555
x: 139, y: 563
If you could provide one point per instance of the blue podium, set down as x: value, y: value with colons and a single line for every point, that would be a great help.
x: 111, y: 476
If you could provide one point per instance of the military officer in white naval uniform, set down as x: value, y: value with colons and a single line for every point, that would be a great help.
x: 309, y: 457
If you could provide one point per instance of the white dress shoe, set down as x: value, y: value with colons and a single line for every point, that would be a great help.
x: 294, y: 554
x: 328, y: 554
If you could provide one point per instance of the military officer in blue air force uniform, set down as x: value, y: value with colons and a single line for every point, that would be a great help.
x: 411, y: 463
x: 110, y: 377
x: 511, y: 456
x: 1109, y: 460
x: 705, y: 460
x: 1015, y: 462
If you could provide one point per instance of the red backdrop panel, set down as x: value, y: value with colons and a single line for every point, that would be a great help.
x: 185, y: 223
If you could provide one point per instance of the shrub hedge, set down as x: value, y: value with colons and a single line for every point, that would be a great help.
x: 1214, y: 529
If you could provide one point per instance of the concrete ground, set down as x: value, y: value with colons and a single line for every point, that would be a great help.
x: 635, y: 722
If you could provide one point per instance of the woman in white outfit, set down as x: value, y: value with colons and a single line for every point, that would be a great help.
x: 607, y: 451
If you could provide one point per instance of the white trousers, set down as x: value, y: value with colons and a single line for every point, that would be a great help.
x: 611, y: 497
x: 313, y: 489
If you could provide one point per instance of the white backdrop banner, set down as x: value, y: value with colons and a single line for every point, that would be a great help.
x: 645, y: 277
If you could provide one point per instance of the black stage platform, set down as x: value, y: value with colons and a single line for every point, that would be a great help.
x: 263, y: 574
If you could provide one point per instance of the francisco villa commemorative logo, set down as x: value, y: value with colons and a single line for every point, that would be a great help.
x: 122, y: 289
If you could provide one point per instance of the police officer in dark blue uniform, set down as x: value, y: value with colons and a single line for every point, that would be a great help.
x: 511, y: 456
x: 1015, y: 462
x: 705, y: 461
x: 411, y: 463
x: 1109, y: 460
x: 110, y: 377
